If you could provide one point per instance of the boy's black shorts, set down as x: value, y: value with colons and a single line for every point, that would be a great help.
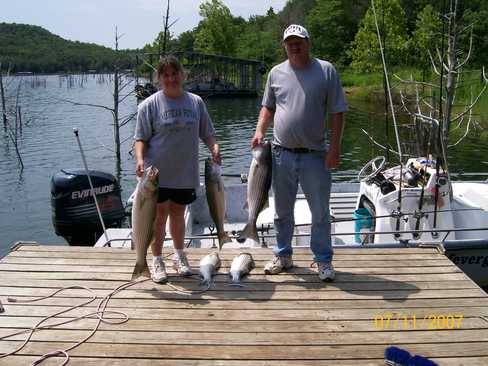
x: 180, y: 196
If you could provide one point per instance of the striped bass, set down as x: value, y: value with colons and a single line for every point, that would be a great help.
x: 209, y: 265
x: 258, y: 185
x: 143, y: 215
x: 241, y: 266
x: 214, y: 187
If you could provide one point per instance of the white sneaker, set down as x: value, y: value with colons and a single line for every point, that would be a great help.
x: 326, y: 271
x: 181, y: 265
x: 278, y: 264
x: 158, y: 273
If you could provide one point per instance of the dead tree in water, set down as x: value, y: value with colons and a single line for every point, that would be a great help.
x: 433, y: 108
x: 2, y: 94
x: 13, y: 113
x: 121, y: 82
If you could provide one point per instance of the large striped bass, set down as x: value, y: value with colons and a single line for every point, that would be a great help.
x: 241, y: 266
x: 214, y: 187
x: 258, y: 185
x: 143, y: 215
x: 209, y: 265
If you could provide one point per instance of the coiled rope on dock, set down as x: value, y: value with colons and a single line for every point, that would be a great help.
x: 100, y: 314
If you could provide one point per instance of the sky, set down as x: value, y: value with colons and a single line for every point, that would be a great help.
x: 139, y: 21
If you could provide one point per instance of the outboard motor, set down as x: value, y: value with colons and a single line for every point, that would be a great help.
x: 74, y: 211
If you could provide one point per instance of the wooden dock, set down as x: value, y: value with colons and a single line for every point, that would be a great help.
x: 287, y: 319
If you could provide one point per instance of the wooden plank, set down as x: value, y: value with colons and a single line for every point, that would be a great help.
x: 438, y: 262
x: 305, y: 305
x: 131, y: 255
x: 360, y: 250
x: 228, y: 313
x: 84, y: 361
x: 90, y: 278
x: 246, y: 338
x: 158, y: 291
x: 221, y: 284
x: 258, y: 352
x: 296, y: 270
x: 227, y: 326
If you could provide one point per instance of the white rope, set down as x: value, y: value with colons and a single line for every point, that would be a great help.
x: 99, y: 314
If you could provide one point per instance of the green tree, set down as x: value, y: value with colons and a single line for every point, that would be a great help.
x: 477, y: 16
x: 295, y: 12
x: 327, y: 25
x: 216, y: 33
x: 428, y: 29
x: 365, y: 52
x: 260, y: 39
x: 185, y: 41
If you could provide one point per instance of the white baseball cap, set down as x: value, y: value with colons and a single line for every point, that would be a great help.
x: 295, y: 30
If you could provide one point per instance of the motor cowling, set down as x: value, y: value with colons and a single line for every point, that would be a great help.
x: 74, y: 212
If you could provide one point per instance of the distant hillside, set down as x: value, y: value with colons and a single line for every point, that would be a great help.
x: 32, y: 48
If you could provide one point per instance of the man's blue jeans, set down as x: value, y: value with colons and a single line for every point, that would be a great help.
x: 309, y: 170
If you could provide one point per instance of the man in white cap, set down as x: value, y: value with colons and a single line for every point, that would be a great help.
x: 304, y: 100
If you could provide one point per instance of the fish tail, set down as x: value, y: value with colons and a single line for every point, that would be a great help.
x: 141, y: 269
x: 207, y: 283
x: 224, y: 238
x: 250, y: 231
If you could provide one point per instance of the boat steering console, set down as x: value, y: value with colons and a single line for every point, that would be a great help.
x: 376, y: 165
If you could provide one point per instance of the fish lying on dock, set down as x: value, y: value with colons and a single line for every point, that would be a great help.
x: 241, y: 266
x: 209, y: 265
x: 258, y: 187
x: 214, y: 187
x: 143, y: 215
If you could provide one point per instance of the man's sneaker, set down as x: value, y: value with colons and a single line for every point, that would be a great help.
x: 326, y: 271
x: 158, y: 273
x: 278, y: 264
x: 182, y: 267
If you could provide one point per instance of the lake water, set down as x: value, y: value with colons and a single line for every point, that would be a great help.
x: 47, y: 144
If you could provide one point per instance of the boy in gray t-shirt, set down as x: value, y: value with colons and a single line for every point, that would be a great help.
x: 301, y: 93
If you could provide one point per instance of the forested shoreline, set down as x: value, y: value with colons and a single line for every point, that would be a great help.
x: 30, y: 48
x: 342, y: 31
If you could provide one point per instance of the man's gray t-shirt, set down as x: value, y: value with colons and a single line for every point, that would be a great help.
x: 171, y: 129
x: 302, y: 98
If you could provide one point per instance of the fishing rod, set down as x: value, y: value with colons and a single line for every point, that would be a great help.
x: 390, y: 99
x: 420, y: 214
x: 387, y: 130
x: 429, y: 146
x: 441, y: 119
x: 92, y: 191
